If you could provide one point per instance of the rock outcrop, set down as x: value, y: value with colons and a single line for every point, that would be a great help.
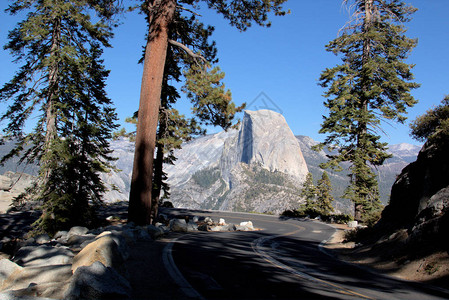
x: 259, y: 167
x: 12, y: 184
x: 264, y: 139
x: 105, y: 250
x: 96, y: 281
x: 199, y: 154
x: 119, y: 181
x: 420, y: 198
x: 53, y: 270
x: 61, y: 268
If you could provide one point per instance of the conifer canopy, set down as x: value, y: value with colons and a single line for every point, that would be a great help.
x: 62, y: 81
x: 372, y: 84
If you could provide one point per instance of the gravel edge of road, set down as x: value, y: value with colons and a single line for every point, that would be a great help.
x: 334, y: 245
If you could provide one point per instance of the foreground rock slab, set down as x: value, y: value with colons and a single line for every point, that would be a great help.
x: 97, y: 282
x: 43, y: 256
x: 104, y: 250
x: 88, y: 264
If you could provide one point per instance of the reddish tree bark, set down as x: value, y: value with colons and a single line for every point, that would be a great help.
x: 359, y: 208
x: 160, y: 15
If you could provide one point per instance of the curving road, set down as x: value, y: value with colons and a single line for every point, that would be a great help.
x: 283, y: 260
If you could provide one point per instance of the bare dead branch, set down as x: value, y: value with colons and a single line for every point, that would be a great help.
x: 188, y: 10
x: 192, y: 54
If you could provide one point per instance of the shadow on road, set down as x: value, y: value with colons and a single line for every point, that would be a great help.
x: 225, y: 266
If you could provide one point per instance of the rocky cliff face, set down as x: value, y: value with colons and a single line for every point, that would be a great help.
x: 199, y: 154
x: 415, y: 225
x: 264, y: 139
x: 12, y: 184
x: 118, y: 181
x: 420, y: 195
x: 259, y: 167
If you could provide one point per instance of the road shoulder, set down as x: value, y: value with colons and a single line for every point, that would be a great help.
x: 419, y: 270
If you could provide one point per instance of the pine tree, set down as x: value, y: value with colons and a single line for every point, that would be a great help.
x: 62, y: 78
x: 163, y: 17
x: 309, y: 192
x: 433, y: 126
x: 372, y: 84
x: 324, y: 197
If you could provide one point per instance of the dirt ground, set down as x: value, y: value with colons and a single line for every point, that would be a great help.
x: 432, y: 269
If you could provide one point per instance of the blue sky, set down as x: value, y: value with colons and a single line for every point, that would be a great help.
x: 277, y: 66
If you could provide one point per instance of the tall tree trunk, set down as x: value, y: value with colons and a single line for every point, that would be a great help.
x: 158, y: 164
x: 158, y: 169
x: 50, y: 113
x: 363, y: 107
x: 160, y: 15
x: 358, y: 211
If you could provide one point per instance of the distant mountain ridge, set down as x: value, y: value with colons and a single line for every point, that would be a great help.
x: 201, y: 157
x: 259, y: 167
x: 264, y: 138
x: 403, y: 154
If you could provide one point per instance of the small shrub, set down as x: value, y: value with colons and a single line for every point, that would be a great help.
x: 303, y: 212
x: 290, y: 213
x: 350, y: 235
x: 167, y: 204
x: 341, y: 218
x: 312, y: 213
x: 358, y: 234
x: 431, y: 268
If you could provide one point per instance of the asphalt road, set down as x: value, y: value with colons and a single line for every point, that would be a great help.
x: 283, y: 260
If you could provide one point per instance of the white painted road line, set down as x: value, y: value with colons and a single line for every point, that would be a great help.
x: 176, y: 275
